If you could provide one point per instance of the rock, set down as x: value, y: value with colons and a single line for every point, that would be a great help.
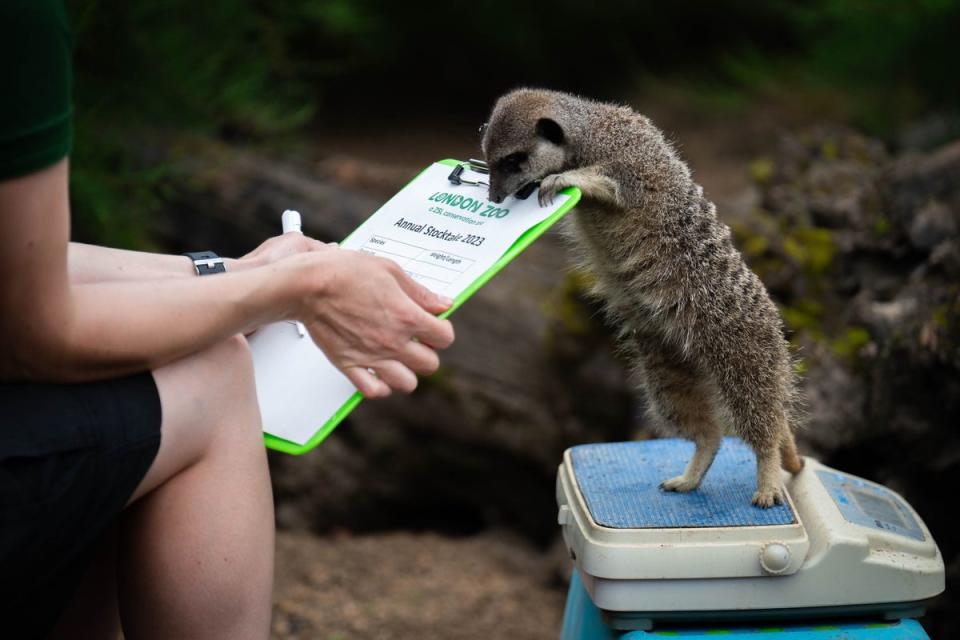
x: 232, y: 198
x: 946, y: 256
x: 878, y: 320
x: 834, y: 406
x: 840, y: 194
x: 915, y: 179
x: 932, y: 224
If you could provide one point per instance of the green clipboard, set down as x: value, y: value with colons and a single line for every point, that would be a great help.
x: 524, y: 241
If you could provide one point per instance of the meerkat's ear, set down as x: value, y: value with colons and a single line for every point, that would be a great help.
x: 550, y: 131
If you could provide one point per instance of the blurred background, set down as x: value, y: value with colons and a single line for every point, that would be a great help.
x: 827, y: 132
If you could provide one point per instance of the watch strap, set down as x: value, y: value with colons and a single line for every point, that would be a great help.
x: 206, y: 262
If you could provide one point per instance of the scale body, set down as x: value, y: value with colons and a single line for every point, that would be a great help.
x: 840, y: 546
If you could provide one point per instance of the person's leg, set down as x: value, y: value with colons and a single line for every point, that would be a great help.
x: 196, y: 544
x: 92, y: 612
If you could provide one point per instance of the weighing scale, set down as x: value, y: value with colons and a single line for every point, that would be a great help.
x: 839, y: 548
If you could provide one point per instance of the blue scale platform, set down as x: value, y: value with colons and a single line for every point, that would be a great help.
x: 620, y: 483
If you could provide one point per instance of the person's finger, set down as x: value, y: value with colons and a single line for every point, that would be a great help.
x: 420, y: 358
x: 367, y: 383
x: 396, y: 375
x: 428, y: 300
x: 316, y: 245
x: 433, y: 332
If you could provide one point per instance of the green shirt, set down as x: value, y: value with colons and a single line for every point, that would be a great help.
x: 36, y: 124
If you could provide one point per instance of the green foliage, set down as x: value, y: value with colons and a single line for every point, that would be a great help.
x: 217, y: 67
x: 886, y: 59
x: 851, y: 341
x: 110, y: 195
x: 812, y: 248
x: 804, y: 316
x: 255, y: 71
x: 214, y: 65
x: 761, y: 170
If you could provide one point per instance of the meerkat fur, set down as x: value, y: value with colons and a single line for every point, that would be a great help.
x: 703, y: 338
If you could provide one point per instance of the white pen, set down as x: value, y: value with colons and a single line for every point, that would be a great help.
x: 290, y: 220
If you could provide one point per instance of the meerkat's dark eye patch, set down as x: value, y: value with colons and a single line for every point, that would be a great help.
x: 512, y: 162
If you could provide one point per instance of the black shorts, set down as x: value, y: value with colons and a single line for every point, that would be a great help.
x: 71, y: 456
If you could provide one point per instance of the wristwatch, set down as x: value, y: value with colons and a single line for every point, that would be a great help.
x: 206, y: 263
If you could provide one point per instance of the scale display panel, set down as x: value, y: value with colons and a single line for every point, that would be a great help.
x: 869, y: 505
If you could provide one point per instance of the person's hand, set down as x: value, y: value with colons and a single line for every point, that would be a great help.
x: 373, y: 322
x: 282, y: 246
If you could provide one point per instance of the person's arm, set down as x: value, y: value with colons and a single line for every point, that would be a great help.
x: 89, y: 263
x: 364, y: 312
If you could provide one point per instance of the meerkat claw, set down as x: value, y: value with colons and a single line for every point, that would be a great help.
x: 680, y: 484
x: 767, y: 498
x: 548, y: 190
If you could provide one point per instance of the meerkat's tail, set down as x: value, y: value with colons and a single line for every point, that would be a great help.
x: 789, y: 458
x: 796, y: 418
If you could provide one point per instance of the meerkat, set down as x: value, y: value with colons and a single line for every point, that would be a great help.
x: 702, y: 336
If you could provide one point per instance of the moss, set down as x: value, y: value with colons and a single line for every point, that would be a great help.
x: 794, y: 249
x: 851, y: 341
x: 761, y: 170
x: 766, y: 267
x: 812, y: 248
x: 829, y: 150
x: 567, y: 307
x: 940, y: 316
x: 881, y: 227
x: 804, y: 316
x: 755, y: 245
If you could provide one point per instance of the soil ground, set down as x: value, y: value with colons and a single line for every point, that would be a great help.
x: 400, y: 586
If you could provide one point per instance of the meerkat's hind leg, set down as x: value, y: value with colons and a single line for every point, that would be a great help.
x: 708, y: 443
x: 679, y: 403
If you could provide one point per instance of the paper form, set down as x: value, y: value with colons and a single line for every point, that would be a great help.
x: 444, y: 236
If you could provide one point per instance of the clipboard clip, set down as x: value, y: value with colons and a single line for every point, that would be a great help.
x: 479, y: 166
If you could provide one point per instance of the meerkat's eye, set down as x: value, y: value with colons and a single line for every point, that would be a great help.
x: 511, y: 163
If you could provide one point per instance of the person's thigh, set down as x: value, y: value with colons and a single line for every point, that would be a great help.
x: 195, y: 392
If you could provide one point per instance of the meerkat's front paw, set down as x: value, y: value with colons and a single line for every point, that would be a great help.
x: 680, y: 484
x: 550, y: 187
x: 766, y: 498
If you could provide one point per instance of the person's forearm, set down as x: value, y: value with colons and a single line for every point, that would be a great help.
x: 119, y: 327
x: 90, y: 263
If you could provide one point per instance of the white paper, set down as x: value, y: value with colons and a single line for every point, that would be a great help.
x: 444, y: 236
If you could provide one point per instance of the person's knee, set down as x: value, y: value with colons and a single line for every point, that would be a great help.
x: 231, y: 361
x: 206, y: 397
x: 234, y: 404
